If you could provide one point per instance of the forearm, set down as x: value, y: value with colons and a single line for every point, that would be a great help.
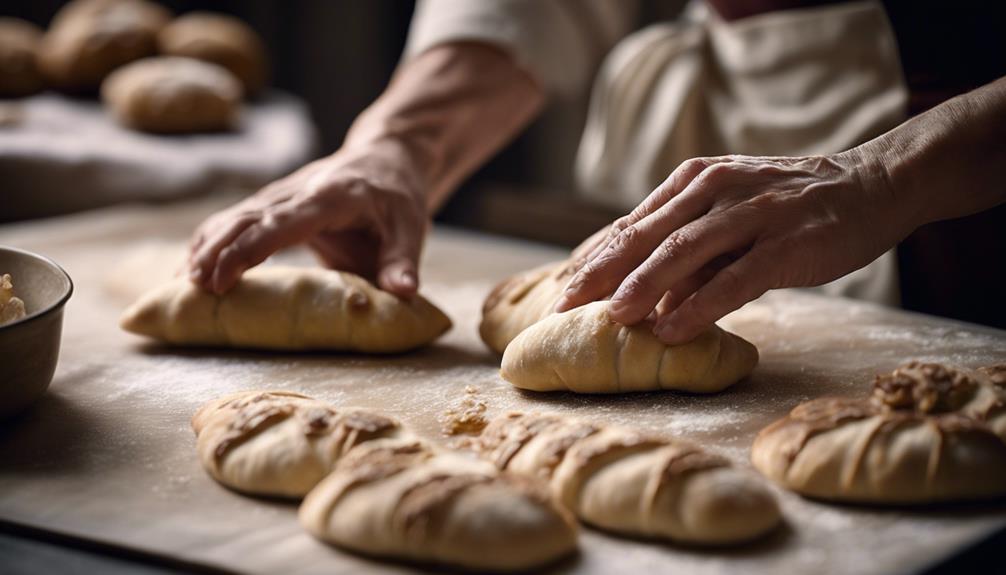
x: 948, y: 162
x: 448, y: 110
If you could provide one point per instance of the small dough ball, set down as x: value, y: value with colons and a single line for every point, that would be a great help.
x: 222, y: 40
x: 19, y: 74
x: 89, y: 38
x: 172, y: 95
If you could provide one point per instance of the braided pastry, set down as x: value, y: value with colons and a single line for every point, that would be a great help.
x: 279, y: 443
x: 401, y: 498
x: 632, y: 483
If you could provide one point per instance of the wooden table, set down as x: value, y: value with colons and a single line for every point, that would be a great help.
x: 108, y: 457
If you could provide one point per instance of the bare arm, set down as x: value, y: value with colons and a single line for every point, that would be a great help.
x: 366, y: 207
x: 719, y: 232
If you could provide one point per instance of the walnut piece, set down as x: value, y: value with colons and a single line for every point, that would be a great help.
x: 924, y: 387
x: 11, y: 307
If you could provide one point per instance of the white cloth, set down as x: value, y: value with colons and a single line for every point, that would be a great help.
x: 59, y: 155
x: 560, y: 42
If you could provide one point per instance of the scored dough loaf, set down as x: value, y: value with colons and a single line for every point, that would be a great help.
x: 585, y: 351
x: 19, y: 73
x: 928, y: 433
x: 169, y: 95
x: 521, y: 301
x: 279, y: 443
x: 630, y: 482
x: 220, y: 39
x: 89, y: 38
x: 401, y: 498
x: 287, y: 308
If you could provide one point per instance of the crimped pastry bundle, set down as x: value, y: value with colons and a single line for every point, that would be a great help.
x: 928, y: 433
x: 585, y: 351
x: 287, y: 308
x: 633, y: 483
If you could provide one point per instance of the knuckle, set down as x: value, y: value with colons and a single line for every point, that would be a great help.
x: 677, y: 246
x: 717, y: 174
x: 625, y: 241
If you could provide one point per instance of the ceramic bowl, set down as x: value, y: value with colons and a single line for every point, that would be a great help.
x: 29, y: 347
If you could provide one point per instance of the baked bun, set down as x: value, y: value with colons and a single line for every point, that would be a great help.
x: 170, y: 95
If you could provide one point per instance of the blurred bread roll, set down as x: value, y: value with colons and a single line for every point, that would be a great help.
x: 170, y: 95
x: 19, y: 74
x: 222, y: 40
x: 89, y: 38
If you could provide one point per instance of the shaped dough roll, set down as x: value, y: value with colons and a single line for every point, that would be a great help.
x: 400, y: 498
x: 284, y: 308
x: 584, y: 350
x: 632, y: 483
x: 929, y: 433
x: 521, y: 301
x: 279, y: 443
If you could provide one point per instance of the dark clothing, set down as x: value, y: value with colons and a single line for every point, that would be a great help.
x: 953, y: 268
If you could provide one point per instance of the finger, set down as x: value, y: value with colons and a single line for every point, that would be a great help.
x: 204, y: 260
x: 676, y: 183
x: 282, y: 226
x: 732, y: 287
x: 683, y: 290
x: 681, y: 255
x: 353, y: 252
x: 632, y: 246
x: 398, y: 255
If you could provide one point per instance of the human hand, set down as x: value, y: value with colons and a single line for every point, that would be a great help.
x: 360, y: 210
x: 720, y: 232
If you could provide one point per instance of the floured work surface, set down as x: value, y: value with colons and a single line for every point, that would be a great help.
x: 108, y: 454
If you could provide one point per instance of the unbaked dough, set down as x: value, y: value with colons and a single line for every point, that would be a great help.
x: 521, y: 301
x: 89, y: 38
x: 633, y: 483
x: 19, y: 73
x: 173, y: 95
x: 11, y: 306
x: 401, y: 498
x: 928, y: 433
x: 287, y: 308
x: 220, y: 39
x: 585, y: 351
x: 279, y: 443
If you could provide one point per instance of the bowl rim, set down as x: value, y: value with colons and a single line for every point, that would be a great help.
x: 50, y: 308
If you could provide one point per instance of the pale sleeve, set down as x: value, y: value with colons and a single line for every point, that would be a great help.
x: 560, y: 42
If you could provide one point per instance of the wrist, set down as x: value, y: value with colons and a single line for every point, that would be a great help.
x: 882, y: 176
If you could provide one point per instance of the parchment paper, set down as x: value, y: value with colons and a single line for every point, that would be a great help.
x: 108, y: 454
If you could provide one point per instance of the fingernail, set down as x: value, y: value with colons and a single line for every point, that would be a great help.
x: 664, y: 329
x: 561, y: 305
x: 407, y: 279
